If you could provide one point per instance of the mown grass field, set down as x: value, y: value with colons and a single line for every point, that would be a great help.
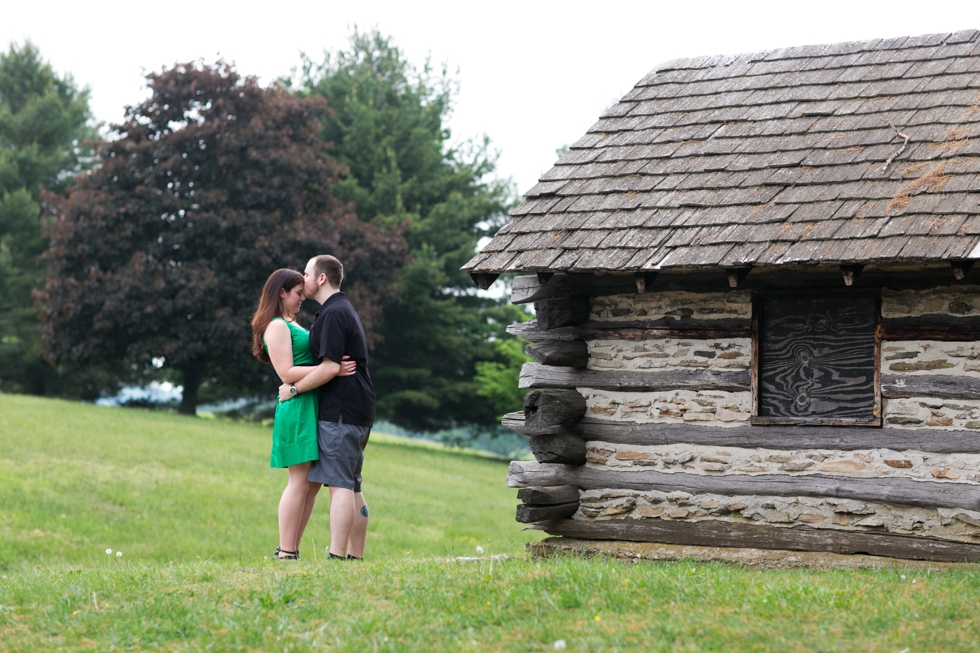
x: 191, y: 503
x: 77, y: 479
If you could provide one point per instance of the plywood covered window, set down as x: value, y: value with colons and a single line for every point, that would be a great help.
x: 816, y: 360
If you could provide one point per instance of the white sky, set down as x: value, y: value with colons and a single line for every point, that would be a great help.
x: 534, y: 75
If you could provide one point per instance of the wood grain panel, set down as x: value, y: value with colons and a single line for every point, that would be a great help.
x: 817, y: 359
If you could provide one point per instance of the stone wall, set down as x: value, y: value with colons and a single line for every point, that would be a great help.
x: 785, y: 512
x: 930, y: 412
x: 733, y: 461
x: 707, y: 407
x: 930, y: 357
x: 658, y: 305
x: 671, y: 354
x: 675, y: 355
x: 944, y: 300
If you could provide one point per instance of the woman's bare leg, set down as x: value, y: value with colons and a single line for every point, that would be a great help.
x: 292, y: 507
x: 314, y: 488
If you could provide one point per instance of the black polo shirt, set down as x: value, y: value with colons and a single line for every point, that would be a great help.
x: 338, y: 332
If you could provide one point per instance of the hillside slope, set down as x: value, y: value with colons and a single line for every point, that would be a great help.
x: 76, y: 479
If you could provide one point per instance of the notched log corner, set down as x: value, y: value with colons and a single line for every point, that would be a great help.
x: 560, y: 353
x: 961, y: 269
x: 851, y: 273
x: 529, y: 514
x: 548, y: 496
x: 644, y: 280
x: 544, y: 408
x: 566, y: 311
x: 561, y: 449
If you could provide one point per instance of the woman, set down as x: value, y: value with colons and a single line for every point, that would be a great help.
x: 276, y: 338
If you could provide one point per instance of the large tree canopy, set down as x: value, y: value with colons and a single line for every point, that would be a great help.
x: 388, y: 125
x: 160, y: 253
x: 42, y: 127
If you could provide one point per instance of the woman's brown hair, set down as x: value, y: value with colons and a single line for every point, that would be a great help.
x: 270, y: 306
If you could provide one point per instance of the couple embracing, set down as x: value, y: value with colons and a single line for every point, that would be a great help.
x: 326, y: 403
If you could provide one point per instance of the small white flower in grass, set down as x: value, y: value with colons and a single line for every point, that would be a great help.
x: 118, y: 554
x: 108, y: 552
x: 559, y: 645
x: 479, y: 549
x: 903, y: 576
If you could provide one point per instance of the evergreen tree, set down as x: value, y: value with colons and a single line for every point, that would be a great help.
x: 388, y: 125
x: 43, y: 127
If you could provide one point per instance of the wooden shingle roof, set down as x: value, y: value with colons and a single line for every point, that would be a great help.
x: 847, y: 153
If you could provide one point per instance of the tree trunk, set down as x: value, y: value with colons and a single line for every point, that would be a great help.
x: 192, y: 381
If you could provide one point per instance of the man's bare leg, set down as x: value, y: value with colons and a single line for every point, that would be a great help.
x: 342, y: 511
x: 311, y: 493
x: 358, y: 531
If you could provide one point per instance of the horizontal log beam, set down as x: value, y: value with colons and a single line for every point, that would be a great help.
x: 548, y: 496
x: 848, y: 438
x: 483, y: 280
x: 635, y: 331
x: 901, y: 491
x: 529, y: 289
x: 535, y: 375
x: 930, y: 385
x: 944, y: 328
x: 799, y: 538
x: 561, y: 353
x: 529, y: 514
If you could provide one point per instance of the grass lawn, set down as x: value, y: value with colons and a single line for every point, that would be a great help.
x: 191, y: 503
x: 76, y: 479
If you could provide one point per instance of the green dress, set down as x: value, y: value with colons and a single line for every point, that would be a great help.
x: 294, y: 430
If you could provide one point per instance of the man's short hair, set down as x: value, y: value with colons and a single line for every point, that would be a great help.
x: 330, y: 266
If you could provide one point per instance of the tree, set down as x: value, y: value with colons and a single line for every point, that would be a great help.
x: 388, y: 126
x: 43, y: 125
x: 159, y: 254
x: 499, y: 381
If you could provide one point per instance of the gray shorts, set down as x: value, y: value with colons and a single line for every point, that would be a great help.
x: 341, y: 454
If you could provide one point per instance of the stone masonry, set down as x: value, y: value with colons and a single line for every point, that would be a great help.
x: 671, y: 354
x: 930, y: 412
x: 727, y: 461
x: 708, y: 407
x: 944, y: 300
x: 676, y: 304
x: 930, y: 357
x: 816, y: 512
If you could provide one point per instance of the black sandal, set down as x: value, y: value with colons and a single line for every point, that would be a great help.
x: 290, y: 555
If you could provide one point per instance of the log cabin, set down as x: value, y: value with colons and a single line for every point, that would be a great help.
x: 757, y: 323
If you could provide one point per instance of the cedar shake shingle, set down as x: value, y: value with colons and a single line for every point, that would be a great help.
x: 790, y: 156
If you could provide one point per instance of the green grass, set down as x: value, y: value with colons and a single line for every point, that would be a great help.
x: 516, y: 605
x: 191, y: 503
x: 77, y: 479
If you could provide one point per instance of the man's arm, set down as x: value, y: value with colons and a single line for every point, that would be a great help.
x: 321, y: 374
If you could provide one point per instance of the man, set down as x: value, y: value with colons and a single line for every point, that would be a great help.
x: 346, y: 411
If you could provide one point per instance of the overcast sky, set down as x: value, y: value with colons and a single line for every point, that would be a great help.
x: 534, y: 75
